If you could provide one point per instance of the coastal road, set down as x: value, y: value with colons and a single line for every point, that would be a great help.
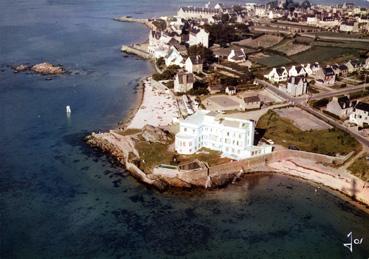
x: 301, y: 103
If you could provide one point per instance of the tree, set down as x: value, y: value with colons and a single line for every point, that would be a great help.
x: 206, y: 54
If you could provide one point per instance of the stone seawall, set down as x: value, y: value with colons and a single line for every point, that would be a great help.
x: 131, y: 49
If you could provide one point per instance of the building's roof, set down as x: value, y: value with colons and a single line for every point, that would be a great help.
x: 215, y: 87
x: 280, y: 70
x: 196, y: 60
x: 231, y: 123
x: 251, y: 99
x: 299, y: 68
x: 200, y: 10
x: 342, y: 67
x: 362, y: 106
x: 328, y: 71
x: 296, y: 80
x: 344, y: 102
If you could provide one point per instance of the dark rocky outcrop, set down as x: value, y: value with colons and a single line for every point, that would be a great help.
x: 155, y: 135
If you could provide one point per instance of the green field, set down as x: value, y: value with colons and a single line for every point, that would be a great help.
x: 360, y: 168
x: 274, y: 61
x: 327, y: 142
x: 325, y: 55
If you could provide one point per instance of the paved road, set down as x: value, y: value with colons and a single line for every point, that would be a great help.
x: 337, y: 92
x: 301, y: 103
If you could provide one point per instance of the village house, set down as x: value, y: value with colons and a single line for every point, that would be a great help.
x: 311, y: 69
x: 174, y: 58
x: 232, y: 136
x: 360, y: 114
x: 296, y: 86
x: 349, y: 26
x: 231, y: 90
x: 325, y: 76
x: 215, y: 89
x: 198, y: 37
x: 194, y: 64
x: 354, y: 65
x: 367, y: 63
x: 297, y: 71
x: 343, y: 70
x: 251, y: 102
x: 277, y: 75
x: 237, y: 56
x: 183, y: 82
x: 340, y: 106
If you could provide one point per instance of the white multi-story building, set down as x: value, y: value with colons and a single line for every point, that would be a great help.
x: 199, y: 37
x: 233, y: 137
x: 360, y: 114
x: 197, y: 13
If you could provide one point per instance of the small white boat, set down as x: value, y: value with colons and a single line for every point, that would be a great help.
x: 68, y: 109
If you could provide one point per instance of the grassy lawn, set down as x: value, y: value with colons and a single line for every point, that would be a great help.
x: 206, y: 155
x: 328, y: 142
x: 274, y: 61
x: 128, y: 132
x: 153, y: 154
x: 360, y: 168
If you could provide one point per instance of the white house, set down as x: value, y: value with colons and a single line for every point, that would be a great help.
x: 311, y: 69
x: 183, y: 82
x: 296, y: 86
x: 297, y: 71
x: 237, y: 56
x: 199, y: 37
x: 231, y: 90
x: 366, y: 66
x: 340, y: 106
x: 312, y: 20
x: 360, y: 114
x: 325, y: 76
x: 234, y: 137
x: 277, y: 75
x: 174, y: 58
x: 354, y: 65
x: 194, y: 64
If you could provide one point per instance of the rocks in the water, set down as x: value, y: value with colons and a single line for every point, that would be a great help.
x: 21, y: 68
x: 42, y: 68
x: 155, y: 135
x: 47, y: 69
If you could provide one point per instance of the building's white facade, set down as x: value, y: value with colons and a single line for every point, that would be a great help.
x: 277, y: 75
x: 296, y: 86
x: 360, y: 114
x: 297, y: 71
x: 232, y: 136
x: 174, y: 58
x: 183, y: 82
x: 194, y: 64
x: 197, y: 13
x: 200, y: 37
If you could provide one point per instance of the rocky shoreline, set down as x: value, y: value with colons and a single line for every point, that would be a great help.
x: 122, y: 149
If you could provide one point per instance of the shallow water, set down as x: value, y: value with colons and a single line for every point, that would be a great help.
x: 60, y: 199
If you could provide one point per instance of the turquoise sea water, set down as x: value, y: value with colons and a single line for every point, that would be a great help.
x: 59, y: 199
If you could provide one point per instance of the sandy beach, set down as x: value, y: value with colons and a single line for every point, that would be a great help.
x: 158, y: 107
x: 336, y: 179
